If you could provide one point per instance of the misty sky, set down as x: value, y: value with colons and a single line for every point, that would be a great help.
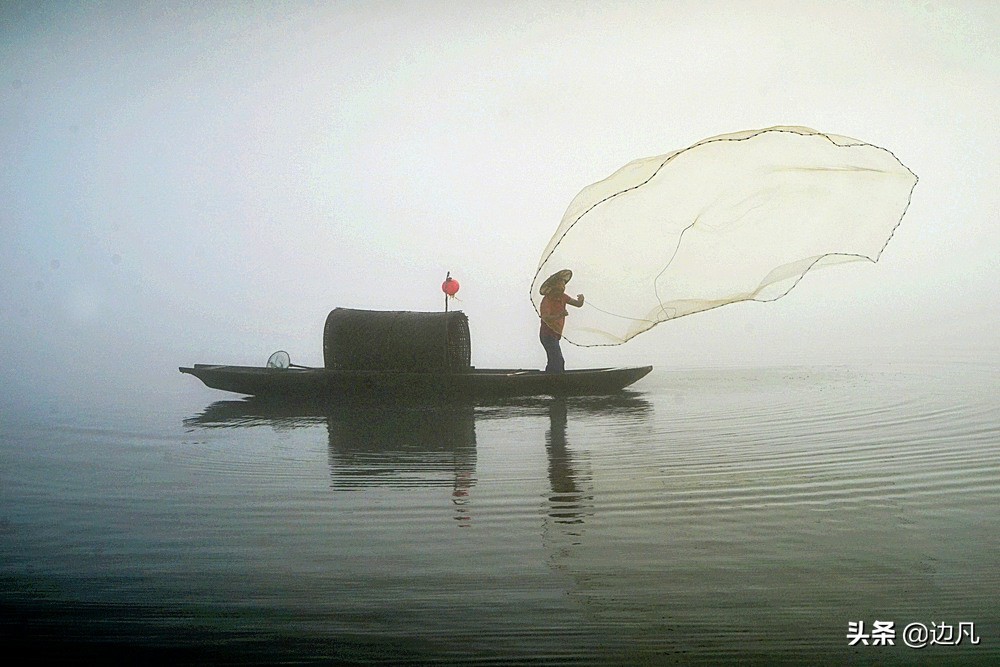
x: 202, y: 182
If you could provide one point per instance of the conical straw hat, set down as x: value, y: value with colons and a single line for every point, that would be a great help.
x: 563, y: 276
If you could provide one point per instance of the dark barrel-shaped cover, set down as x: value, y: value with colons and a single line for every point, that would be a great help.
x: 392, y: 340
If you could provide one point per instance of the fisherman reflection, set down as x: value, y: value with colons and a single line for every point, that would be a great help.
x: 567, y: 504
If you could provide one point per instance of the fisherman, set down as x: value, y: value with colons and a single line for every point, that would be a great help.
x: 553, y: 315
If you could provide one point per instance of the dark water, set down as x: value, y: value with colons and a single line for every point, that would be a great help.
x: 707, y: 517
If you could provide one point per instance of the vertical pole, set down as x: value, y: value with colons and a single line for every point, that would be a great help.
x: 446, y: 279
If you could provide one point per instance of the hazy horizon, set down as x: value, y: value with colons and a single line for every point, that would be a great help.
x: 193, y: 183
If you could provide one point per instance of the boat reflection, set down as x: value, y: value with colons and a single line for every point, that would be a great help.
x: 250, y: 412
x: 261, y: 411
x: 408, y: 445
x: 625, y: 404
x: 415, y: 445
x: 398, y: 444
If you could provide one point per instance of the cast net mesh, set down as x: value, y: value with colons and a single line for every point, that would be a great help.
x: 737, y: 217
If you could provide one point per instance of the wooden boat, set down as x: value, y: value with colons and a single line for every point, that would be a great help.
x: 327, y: 383
x: 378, y: 353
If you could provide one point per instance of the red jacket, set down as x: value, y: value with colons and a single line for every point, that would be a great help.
x: 553, y: 309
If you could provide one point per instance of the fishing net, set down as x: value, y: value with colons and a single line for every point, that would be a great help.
x: 737, y: 217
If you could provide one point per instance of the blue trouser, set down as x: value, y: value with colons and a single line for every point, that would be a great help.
x: 556, y: 363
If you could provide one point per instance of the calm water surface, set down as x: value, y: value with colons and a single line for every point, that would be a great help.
x: 709, y: 516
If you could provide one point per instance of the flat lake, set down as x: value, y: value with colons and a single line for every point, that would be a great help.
x: 757, y: 515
